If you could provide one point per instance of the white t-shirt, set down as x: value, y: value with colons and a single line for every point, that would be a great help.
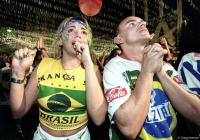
x: 119, y: 77
x: 189, y: 71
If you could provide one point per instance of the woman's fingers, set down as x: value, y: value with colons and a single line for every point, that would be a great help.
x: 24, y: 53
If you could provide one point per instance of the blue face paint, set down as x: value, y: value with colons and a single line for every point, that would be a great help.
x: 67, y: 23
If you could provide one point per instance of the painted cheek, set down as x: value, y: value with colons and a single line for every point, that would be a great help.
x: 65, y: 37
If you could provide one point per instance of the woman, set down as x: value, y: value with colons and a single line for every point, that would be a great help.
x: 67, y: 89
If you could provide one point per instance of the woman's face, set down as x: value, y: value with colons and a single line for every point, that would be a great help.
x: 72, y: 33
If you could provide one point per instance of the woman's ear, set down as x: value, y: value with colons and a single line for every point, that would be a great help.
x: 118, y: 39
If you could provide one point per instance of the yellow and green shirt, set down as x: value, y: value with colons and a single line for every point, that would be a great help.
x: 62, y: 95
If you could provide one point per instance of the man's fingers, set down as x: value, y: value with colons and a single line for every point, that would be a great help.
x: 149, y: 48
x: 159, y: 54
x: 157, y: 51
x: 153, y: 47
x: 146, y: 49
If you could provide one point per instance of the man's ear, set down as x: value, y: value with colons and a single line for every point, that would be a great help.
x: 118, y: 39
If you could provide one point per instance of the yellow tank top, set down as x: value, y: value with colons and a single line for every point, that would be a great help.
x: 62, y: 95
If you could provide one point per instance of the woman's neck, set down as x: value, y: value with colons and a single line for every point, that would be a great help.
x: 70, y: 62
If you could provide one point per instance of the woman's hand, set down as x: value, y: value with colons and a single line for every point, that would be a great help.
x: 83, y: 53
x: 22, y: 60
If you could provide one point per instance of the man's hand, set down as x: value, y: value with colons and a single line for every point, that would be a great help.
x: 153, y: 58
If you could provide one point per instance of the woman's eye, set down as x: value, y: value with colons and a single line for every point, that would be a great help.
x: 69, y: 30
x: 84, y: 32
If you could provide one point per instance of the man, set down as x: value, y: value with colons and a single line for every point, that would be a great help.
x: 140, y: 88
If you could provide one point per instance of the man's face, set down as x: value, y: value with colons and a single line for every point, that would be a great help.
x: 133, y: 30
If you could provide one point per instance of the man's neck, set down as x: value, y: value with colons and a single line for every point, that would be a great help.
x: 133, y: 53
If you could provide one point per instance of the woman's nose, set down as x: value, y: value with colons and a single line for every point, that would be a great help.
x: 77, y: 32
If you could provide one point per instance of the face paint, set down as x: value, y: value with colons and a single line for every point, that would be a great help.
x: 66, y: 37
x: 70, y: 22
